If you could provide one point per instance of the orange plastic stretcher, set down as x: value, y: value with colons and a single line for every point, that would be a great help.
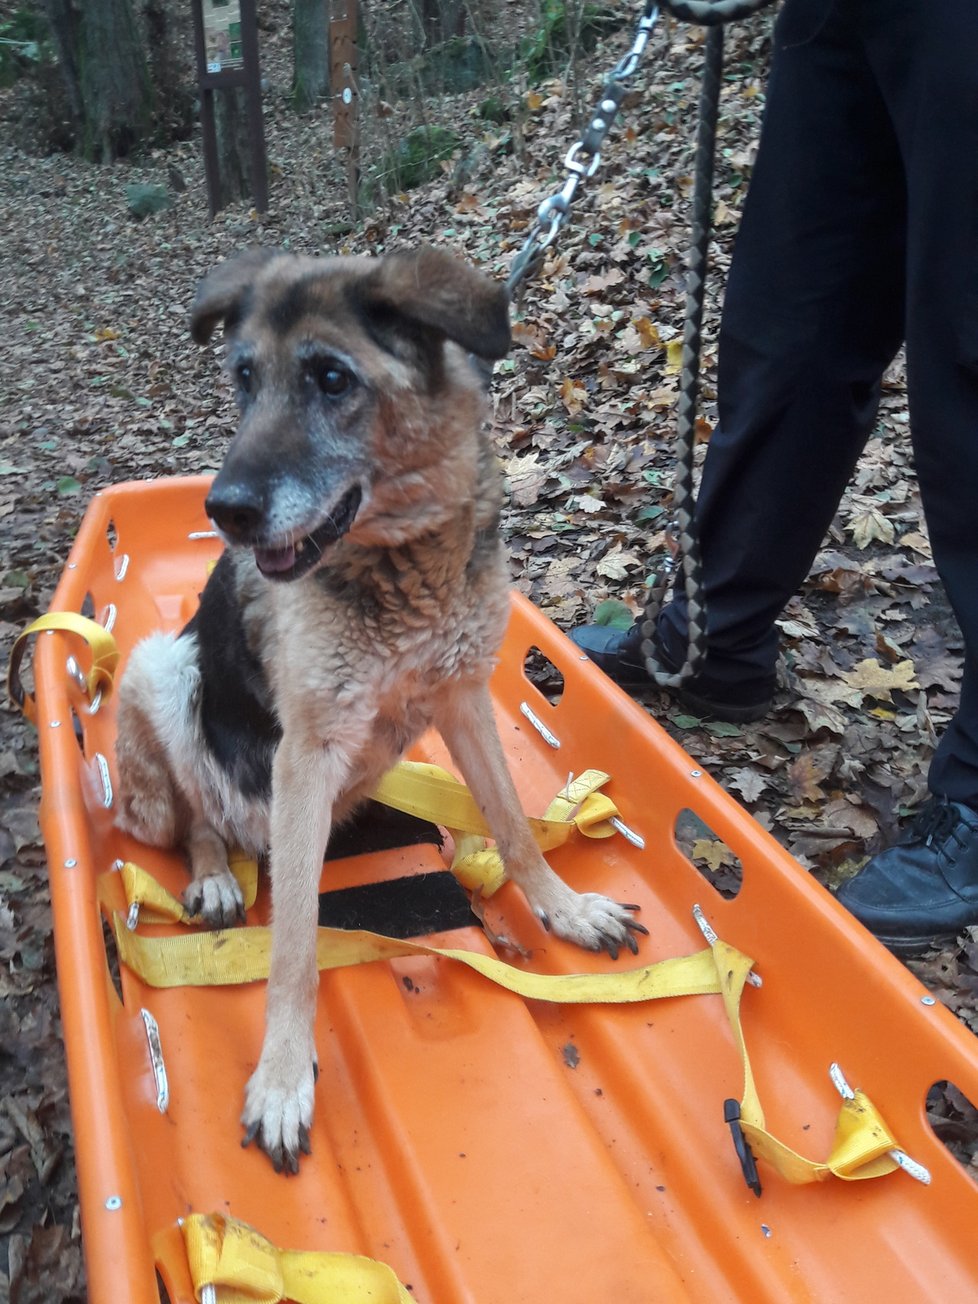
x: 493, y: 1149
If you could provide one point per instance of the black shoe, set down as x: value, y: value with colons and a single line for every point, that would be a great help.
x: 924, y: 891
x: 618, y: 652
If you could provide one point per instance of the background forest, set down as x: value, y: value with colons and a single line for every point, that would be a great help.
x: 466, y: 110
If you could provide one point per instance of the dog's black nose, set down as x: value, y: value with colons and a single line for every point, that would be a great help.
x: 236, y: 510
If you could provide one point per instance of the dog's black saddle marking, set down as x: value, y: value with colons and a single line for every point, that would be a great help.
x: 239, y: 725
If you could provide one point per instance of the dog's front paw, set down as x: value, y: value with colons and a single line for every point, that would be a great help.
x: 593, y: 921
x: 216, y: 899
x: 278, y: 1108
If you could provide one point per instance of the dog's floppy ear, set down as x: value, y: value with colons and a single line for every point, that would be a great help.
x: 429, y: 286
x: 221, y: 292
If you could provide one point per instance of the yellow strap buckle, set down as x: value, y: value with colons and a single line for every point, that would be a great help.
x: 231, y: 1263
x: 99, y: 679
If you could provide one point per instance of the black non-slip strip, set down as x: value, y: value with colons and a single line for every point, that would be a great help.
x: 379, y: 828
x: 404, y: 907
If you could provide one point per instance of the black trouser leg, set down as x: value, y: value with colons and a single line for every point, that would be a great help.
x: 924, y: 54
x: 812, y: 315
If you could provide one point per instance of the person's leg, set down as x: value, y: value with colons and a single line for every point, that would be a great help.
x: 923, y: 56
x: 812, y: 315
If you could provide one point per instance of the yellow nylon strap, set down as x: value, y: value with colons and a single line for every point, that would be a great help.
x: 242, y: 955
x: 245, y: 1268
x: 431, y: 793
x: 435, y: 795
x: 105, y: 656
x: 159, y: 906
x: 862, y: 1140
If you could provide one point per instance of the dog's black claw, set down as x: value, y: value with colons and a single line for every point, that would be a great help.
x: 315, y: 1070
x: 628, y: 905
x: 631, y: 943
x: 636, y: 927
x: 250, y: 1134
x: 545, y: 920
x: 304, y: 1144
x: 611, y: 947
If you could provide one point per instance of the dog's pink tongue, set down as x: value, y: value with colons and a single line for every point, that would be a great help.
x: 275, y: 560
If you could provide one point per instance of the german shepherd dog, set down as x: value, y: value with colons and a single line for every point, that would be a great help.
x: 362, y: 598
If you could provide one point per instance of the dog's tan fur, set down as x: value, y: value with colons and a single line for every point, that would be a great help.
x: 395, y: 629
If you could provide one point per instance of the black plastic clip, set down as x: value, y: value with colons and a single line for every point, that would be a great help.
x: 604, y: 115
x: 748, y: 1165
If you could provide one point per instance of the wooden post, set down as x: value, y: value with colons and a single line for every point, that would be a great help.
x: 343, y: 83
x: 226, y: 39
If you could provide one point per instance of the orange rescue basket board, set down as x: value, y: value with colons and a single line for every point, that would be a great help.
x: 493, y: 1149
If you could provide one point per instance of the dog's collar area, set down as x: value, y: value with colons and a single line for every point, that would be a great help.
x: 296, y: 559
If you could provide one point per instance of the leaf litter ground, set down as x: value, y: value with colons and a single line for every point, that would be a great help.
x: 100, y: 383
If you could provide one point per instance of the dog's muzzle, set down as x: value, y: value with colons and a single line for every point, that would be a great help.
x: 241, y: 519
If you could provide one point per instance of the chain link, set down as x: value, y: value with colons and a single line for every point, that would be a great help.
x: 583, y: 158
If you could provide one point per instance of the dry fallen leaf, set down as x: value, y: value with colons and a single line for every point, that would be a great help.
x: 573, y: 395
x: 873, y: 680
x: 871, y: 526
x: 713, y: 853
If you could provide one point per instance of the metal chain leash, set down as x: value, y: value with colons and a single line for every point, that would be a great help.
x: 582, y: 161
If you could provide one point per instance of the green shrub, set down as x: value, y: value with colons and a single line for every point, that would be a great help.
x: 545, y: 52
x: 25, y: 42
x: 417, y: 158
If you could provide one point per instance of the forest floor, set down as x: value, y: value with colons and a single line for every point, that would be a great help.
x: 101, y: 383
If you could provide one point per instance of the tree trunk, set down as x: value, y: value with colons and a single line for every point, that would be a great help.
x: 310, y: 44
x: 105, y: 72
x: 169, y: 39
x: 441, y: 20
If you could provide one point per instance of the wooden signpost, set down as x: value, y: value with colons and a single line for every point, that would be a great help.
x: 343, y: 86
x: 226, y: 39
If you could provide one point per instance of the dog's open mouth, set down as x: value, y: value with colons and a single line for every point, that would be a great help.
x: 295, y: 559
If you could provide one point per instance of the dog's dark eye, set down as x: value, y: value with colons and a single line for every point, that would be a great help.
x: 333, y: 380
x: 245, y: 377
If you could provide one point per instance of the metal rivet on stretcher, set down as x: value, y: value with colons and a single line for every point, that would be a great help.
x: 71, y: 863
x: 113, y: 1203
x: 928, y: 1000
